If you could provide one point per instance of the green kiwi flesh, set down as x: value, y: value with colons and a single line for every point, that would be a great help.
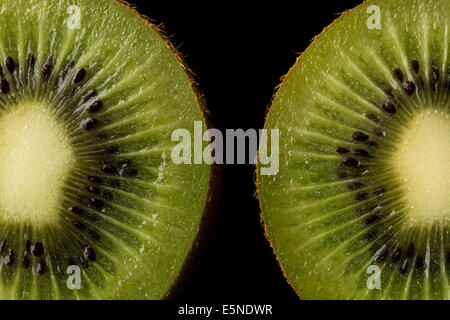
x: 90, y: 96
x: 362, y: 196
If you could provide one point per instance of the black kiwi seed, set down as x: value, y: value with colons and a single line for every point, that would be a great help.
x: 28, y: 246
x: 415, y: 66
x: 9, y: 259
x: 90, y: 124
x: 361, y: 152
x: 382, y: 256
x: 10, y: 64
x: 76, y: 210
x: 447, y: 85
x: 372, y: 117
x: 96, y: 106
x: 370, y: 235
x: 410, y: 87
x: 411, y: 249
x: 359, y: 136
x: 404, y: 267
x: 109, y: 169
x: 350, y: 162
x: 361, y: 196
x: 355, y: 186
x: 94, y: 235
x: 372, y: 144
x: 79, y: 225
x: 93, y: 190
x: 40, y: 268
x: 90, y: 95
x: 38, y: 249
x: 96, y: 203
x: 81, y: 74
x: 130, y: 172
x: 389, y: 107
x: 116, y: 183
x: 4, y: 86
x: 397, y: 255
x: 46, y: 71
x: 419, y: 263
x: 342, y: 175
x: 95, y: 179
x: 389, y: 93
x: 398, y: 73
x: 371, y: 219
x: 31, y: 61
x: 108, y: 195
x: 112, y: 149
x: 421, y: 82
x: 342, y: 150
x: 89, y: 253
x: 26, y: 262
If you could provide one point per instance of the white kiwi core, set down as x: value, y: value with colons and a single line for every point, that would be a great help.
x: 35, y: 160
x: 423, y: 163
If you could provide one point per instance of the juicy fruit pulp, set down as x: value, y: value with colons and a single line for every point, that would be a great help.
x: 360, y: 208
x: 90, y: 95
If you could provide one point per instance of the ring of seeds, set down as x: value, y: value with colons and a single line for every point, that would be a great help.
x: 87, y: 185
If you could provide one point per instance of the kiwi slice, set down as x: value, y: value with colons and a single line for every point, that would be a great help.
x: 360, y: 207
x: 91, y: 204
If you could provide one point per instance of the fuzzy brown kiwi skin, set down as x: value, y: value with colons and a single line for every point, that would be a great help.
x: 213, y: 198
x: 256, y: 176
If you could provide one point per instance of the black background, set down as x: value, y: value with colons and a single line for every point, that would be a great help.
x: 238, y: 51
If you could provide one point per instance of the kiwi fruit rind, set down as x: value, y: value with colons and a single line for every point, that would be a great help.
x: 360, y: 206
x: 90, y: 95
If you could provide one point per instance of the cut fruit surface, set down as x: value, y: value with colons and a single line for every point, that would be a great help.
x: 91, y: 204
x: 360, y: 206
